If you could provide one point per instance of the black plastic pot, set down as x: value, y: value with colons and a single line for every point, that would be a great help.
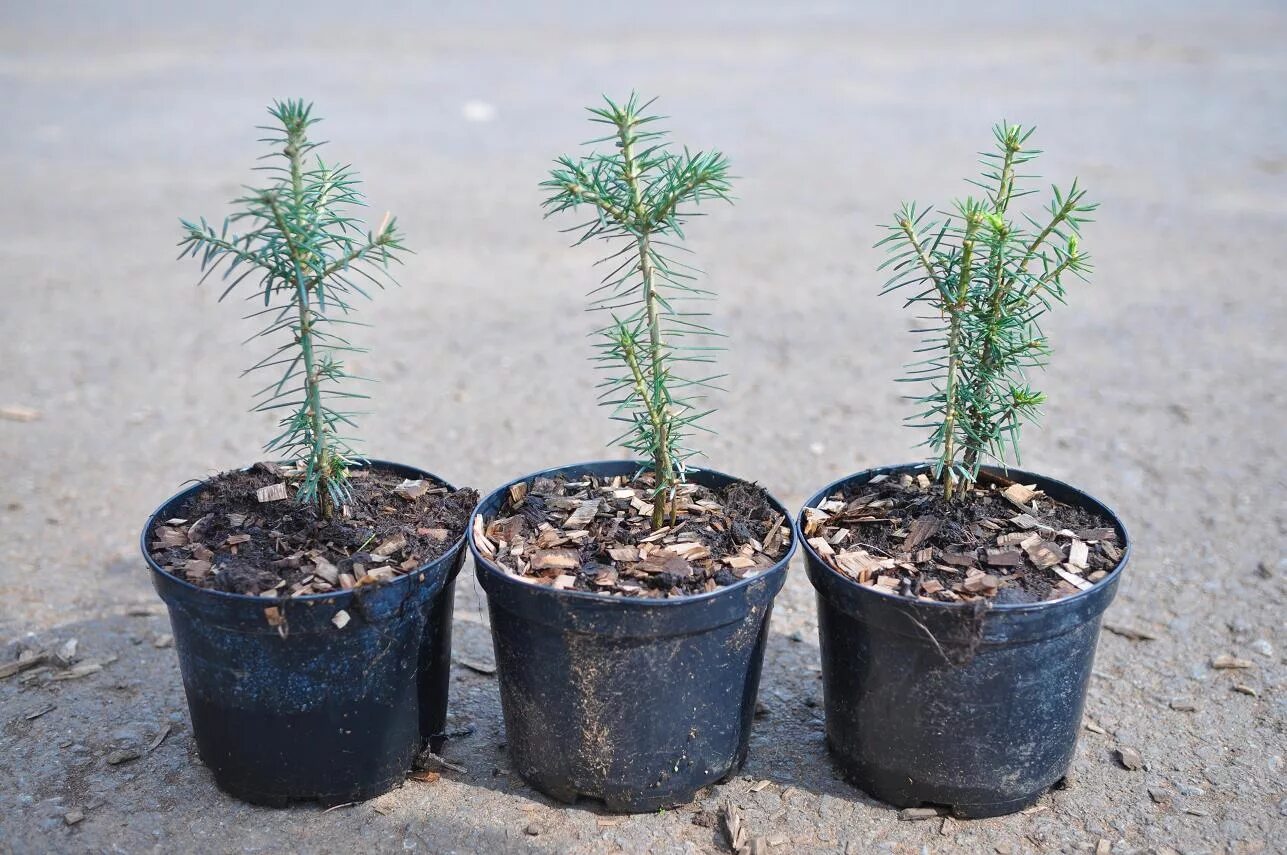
x: 313, y: 711
x: 939, y: 704
x: 638, y: 703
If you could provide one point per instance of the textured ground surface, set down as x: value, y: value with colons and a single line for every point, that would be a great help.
x: 1166, y: 397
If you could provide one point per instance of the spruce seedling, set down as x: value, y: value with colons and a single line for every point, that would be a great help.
x: 640, y: 194
x: 306, y: 257
x: 988, y: 280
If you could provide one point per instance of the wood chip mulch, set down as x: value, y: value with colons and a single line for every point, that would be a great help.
x: 1005, y: 542
x: 595, y: 534
x: 244, y: 532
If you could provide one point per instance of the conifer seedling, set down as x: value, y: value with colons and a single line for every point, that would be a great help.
x: 988, y: 275
x: 982, y: 561
x: 306, y: 257
x: 640, y: 194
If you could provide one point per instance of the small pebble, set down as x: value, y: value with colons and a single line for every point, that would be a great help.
x: 917, y: 813
x: 123, y: 755
x: 533, y: 829
x: 1263, y: 647
x: 73, y: 816
x: 1159, y: 795
x: 478, y: 111
x: 1129, y: 758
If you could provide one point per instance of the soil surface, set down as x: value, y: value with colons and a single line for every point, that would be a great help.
x: 227, y: 538
x: 998, y: 540
x: 1165, y: 389
x: 596, y: 534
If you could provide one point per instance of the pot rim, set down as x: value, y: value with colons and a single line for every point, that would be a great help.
x: 507, y: 578
x: 813, y: 557
x: 328, y: 598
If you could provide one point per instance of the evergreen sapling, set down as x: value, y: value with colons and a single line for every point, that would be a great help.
x: 988, y: 278
x: 639, y: 195
x: 306, y: 258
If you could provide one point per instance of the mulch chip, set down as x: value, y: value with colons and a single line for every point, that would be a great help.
x: 239, y: 535
x: 595, y: 534
x: 899, y: 534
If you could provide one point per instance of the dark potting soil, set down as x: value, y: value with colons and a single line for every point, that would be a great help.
x: 226, y: 539
x: 596, y: 535
x: 1002, y: 541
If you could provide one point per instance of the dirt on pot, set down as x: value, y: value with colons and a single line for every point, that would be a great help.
x: 243, y: 533
x: 595, y: 534
x: 1004, y: 542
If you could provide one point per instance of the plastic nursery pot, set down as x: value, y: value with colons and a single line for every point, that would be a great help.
x: 945, y: 705
x: 637, y: 702
x: 309, y: 710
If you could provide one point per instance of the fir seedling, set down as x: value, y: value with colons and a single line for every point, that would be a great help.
x: 988, y: 279
x: 306, y: 257
x: 640, y: 195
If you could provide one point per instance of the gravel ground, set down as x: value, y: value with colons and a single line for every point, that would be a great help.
x: 1166, y: 394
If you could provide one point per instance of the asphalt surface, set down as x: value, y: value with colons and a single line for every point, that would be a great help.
x: 1166, y: 392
